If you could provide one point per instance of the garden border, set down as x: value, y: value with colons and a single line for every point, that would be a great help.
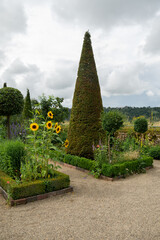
x: 89, y: 172
x: 13, y: 202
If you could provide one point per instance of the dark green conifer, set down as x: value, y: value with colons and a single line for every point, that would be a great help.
x: 85, y: 126
x: 27, y: 110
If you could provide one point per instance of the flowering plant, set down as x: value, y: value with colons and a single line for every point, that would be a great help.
x: 39, y: 147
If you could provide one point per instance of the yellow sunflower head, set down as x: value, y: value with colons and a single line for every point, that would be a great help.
x: 66, y: 143
x: 49, y: 124
x: 58, y: 129
x: 50, y: 114
x: 34, y: 126
x: 56, y: 125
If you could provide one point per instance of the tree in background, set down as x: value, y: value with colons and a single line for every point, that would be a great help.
x: 141, y: 126
x: 27, y: 110
x: 85, y: 124
x: 111, y: 122
x: 34, y: 104
x: 11, y: 103
x: 60, y: 113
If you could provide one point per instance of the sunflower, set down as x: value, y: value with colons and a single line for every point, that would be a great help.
x: 49, y: 124
x: 50, y: 114
x: 56, y: 125
x: 34, y: 126
x: 58, y: 129
x: 66, y: 143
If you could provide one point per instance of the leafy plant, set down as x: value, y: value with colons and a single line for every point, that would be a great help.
x: 39, y: 148
x: 100, y: 157
x: 55, y: 105
x: 111, y: 122
x: 12, y: 155
x: 140, y: 125
x: 155, y: 152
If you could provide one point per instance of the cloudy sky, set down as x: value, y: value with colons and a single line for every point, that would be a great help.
x: 41, y: 43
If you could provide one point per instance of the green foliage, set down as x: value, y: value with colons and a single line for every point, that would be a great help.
x: 11, y: 101
x: 35, y: 104
x: 100, y: 155
x: 78, y: 161
x: 85, y: 123
x: 55, y: 105
x: 130, y: 144
x: 27, y: 110
x: 112, y: 121
x: 12, y: 154
x: 27, y: 189
x: 39, y: 148
x: 155, y: 152
x: 110, y: 170
x: 32, y: 170
x: 140, y: 125
x: 125, y: 168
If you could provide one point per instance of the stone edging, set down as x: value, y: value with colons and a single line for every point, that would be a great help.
x: 101, y: 176
x: 36, y: 197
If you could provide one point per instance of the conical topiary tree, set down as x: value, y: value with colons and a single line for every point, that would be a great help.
x: 85, y: 126
x: 27, y: 110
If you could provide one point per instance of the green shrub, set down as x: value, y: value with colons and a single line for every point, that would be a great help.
x: 155, y: 152
x: 27, y: 189
x: 11, y: 103
x: 135, y: 166
x: 57, y: 155
x: 109, y: 170
x: 140, y: 125
x: 79, y: 161
x: 112, y: 121
x: 12, y: 154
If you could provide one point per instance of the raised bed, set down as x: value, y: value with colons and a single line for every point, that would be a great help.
x: 31, y: 191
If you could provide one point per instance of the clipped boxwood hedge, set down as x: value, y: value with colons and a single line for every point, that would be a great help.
x: 108, y: 170
x: 155, y: 152
x: 81, y: 162
x: 128, y: 167
x: 28, y: 189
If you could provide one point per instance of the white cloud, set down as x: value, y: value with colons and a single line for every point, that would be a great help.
x: 23, y: 76
x: 12, y: 19
x: 125, y: 81
x: 149, y: 93
x: 153, y: 39
x: 105, y: 13
x: 41, y: 44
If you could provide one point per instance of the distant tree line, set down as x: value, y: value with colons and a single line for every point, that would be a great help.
x: 153, y: 113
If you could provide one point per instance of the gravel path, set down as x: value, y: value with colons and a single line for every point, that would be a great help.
x: 127, y: 209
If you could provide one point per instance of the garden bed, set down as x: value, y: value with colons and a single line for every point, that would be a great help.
x: 20, y: 193
x: 101, y: 176
x: 111, y: 171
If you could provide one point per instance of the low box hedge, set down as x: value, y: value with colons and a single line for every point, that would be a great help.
x: 128, y: 167
x: 108, y: 170
x: 28, y: 189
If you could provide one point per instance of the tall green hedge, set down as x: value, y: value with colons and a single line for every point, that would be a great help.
x: 85, y: 124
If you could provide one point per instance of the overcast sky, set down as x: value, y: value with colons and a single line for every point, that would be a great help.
x: 41, y: 43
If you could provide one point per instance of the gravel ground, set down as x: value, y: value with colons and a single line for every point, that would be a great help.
x: 96, y: 210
